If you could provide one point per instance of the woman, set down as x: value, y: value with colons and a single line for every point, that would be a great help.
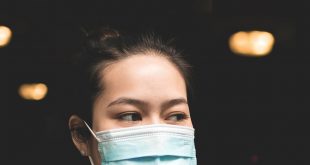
x: 140, y: 109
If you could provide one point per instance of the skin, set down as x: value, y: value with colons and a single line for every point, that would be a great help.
x: 138, y: 90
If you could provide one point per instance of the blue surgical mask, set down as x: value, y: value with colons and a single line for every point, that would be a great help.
x: 157, y: 144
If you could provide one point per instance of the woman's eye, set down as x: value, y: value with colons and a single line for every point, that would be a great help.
x: 130, y: 117
x: 177, y: 117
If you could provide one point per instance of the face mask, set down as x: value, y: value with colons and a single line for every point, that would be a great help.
x: 157, y: 144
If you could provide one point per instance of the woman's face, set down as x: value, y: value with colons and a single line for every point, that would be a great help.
x: 141, y: 90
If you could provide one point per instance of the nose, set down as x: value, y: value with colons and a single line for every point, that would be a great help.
x: 154, y: 119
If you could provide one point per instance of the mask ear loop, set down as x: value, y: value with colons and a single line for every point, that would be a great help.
x: 91, y: 160
x: 94, y: 135
x: 91, y: 131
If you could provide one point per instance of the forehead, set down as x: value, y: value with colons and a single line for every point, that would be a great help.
x: 143, y: 73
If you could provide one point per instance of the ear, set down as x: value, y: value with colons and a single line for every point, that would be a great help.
x: 80, y: 139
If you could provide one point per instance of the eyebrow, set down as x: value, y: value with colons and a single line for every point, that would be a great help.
x: 141, y: 103
x: 173, y: 102
x: 130, y: 101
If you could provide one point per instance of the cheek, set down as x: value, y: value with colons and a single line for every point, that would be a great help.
x: 189, y: 123
x: 105, y: 123
x: 108, y: 120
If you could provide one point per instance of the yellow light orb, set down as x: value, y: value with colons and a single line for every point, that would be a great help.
x: 35, y: 91
x: 253, y: 43
x: 5, y: 35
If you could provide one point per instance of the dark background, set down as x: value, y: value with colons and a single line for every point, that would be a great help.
x: 247, y: 110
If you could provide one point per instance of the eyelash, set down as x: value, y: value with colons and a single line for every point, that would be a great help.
x: 135, y: 116
x: 122, y: 116
x: 179, y: 115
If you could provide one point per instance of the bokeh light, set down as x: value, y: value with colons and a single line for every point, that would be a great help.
x: 252, y: 43
x: 5, y: 36
x: 34, y: 91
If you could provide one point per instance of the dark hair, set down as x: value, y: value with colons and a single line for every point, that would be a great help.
x: 105, y: 46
